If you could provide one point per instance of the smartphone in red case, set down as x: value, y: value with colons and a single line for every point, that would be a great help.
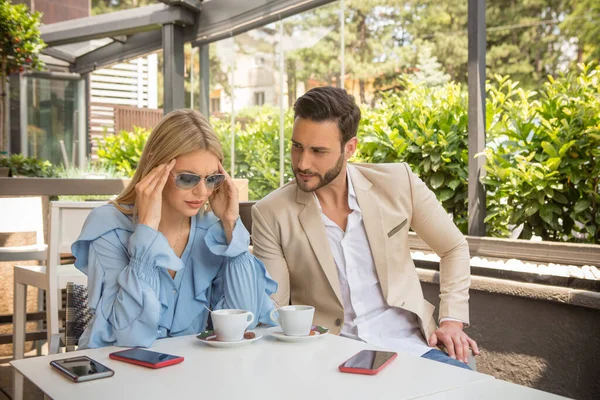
x: 146, y: 358
x: 368, y: 362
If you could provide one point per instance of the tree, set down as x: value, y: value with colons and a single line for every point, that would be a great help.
x: 583, y: 24
x: 373, y: 48
x: 429, y: 71
x: 20, y: 45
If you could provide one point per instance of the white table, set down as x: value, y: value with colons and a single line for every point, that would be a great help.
x: 263, y: 369
x: 492, y: 390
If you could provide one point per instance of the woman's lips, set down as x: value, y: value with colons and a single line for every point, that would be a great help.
x: 195, y: 204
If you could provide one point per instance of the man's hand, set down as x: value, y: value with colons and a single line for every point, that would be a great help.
x: 457, y: 343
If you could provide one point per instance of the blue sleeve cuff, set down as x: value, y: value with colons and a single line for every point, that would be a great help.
x: 151, y: 248
x: 216, y: 240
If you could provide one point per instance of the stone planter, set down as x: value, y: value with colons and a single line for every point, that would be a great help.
x: 542, y: 336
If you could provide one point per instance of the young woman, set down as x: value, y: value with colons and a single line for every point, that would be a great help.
x: 155, y: 257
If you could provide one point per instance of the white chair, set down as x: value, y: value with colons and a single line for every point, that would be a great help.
x: 66, y: 221
x: 22, y: 214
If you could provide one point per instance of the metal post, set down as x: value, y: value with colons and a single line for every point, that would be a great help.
x: 342, y: 43
x: 23, y: 116
x: 232, y: 173
x: 81, y: 122
x: 192, y: 77
x: 476, y: 83
x: 173, y: 67
x: 281, y: 112
x: 204, y: 94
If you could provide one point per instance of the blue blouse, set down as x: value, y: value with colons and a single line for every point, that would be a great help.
x: 135, y: 300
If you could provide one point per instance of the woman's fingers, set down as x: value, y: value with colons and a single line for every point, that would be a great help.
x: 148, y: 179
x: 162, y: 179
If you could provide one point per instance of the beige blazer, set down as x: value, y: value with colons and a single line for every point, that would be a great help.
x: 289, y: 237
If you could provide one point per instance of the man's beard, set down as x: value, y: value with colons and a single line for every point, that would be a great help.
x: 323, y: 180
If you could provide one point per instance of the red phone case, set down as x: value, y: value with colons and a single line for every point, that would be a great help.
x: 162, y: 364
x: 365, y: 371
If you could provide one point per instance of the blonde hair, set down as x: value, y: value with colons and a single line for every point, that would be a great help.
x: 179, y: 132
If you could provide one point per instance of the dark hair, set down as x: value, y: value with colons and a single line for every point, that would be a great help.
x: 330, y: 104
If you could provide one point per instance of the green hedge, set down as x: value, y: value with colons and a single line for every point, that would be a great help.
x: 427, y: 128
x: 257, y: 148
x: 122, y: 152
x: 31, y: 167
x: 542, y: 157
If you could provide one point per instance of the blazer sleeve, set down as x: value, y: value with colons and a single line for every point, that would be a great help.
x: 433, y: 224
x: 268, y: 249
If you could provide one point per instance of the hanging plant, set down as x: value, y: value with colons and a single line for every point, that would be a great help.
x: 20, y: 46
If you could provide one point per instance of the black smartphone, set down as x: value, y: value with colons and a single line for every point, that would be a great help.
x: 81, y: 369
x: 367, y: 362
x: 146, y: 358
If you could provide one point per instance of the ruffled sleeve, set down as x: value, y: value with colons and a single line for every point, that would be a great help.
x: 243, y: 281
x: 121, y: 260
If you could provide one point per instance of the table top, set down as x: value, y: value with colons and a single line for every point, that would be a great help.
x: 492, y: 390
x: 266, y: 367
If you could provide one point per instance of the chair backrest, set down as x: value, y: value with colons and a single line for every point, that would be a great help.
x: 246, y: 214
x: 78, y: 314
x: 66, y: 222
x: 22, y: 214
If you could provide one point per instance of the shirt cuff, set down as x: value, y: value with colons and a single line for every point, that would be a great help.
x: 216, y: 240
x: 454, y: 319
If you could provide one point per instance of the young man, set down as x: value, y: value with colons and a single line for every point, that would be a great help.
x: 337, y: 238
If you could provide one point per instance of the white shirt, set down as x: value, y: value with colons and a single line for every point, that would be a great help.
x: 367, y: 316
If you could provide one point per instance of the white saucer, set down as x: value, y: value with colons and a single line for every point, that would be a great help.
x: 278, y: 334
x: 209, y: 338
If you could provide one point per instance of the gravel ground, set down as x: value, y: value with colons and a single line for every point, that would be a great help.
x: 585, y: 272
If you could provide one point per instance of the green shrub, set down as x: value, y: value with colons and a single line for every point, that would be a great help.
x: 31, y: 167
x: 122, y: 152
x: 257, y: 148
x: 543, y: 158
x: 426, y: 128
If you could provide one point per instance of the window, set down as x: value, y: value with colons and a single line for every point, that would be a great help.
x: 215, y: 105
x: 259, y: 98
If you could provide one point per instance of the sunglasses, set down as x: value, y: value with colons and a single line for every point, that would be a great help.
x: 186, y: 180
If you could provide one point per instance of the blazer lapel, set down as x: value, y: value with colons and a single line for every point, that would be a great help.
x: 374, y: 224
x: 310, y: 219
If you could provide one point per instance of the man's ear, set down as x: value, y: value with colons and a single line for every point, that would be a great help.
x: 350, y: 148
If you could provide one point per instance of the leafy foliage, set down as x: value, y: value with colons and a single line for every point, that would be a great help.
x: 32, y: 167
x: 20, y: 45
x: 257, y: 148
x: 20, y: 39
x: 427, y: 128
x: 542, y: 156
x: 543, y: 159
x: 123, y: 151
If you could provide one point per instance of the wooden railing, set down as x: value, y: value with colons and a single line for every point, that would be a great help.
x: 126, y: 117
x: 108, y: 119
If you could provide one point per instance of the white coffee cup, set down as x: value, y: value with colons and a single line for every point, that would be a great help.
x: 294, y: 320
x: 230, y: 324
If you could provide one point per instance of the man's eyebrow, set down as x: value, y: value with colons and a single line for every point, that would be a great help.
x: 313, y: 147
